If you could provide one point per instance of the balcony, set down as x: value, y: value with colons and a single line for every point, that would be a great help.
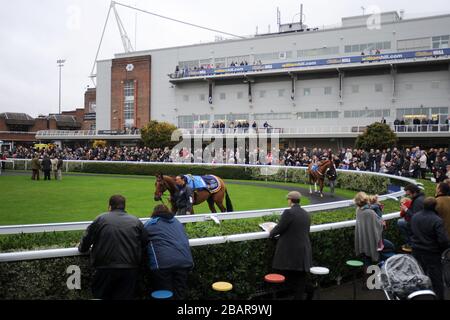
x: 424, y: 56
x: 88, y: 135
x: 349, y: 131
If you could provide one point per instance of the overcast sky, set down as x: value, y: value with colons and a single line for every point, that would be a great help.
x: 34, y: 34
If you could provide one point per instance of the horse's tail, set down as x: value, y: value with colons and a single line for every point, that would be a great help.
x: 228, y: 203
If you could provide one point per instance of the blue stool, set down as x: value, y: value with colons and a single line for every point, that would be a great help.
x: 162, y: 295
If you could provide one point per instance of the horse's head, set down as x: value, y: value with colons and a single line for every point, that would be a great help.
x: 160, y: 187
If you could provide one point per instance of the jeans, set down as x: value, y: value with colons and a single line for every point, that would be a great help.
x: 405, y: 230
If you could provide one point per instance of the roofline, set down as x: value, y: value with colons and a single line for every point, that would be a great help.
x: 266, y: 36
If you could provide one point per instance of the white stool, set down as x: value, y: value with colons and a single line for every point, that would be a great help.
x: 319, y: 271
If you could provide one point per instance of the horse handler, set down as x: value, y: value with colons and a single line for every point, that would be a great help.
x: 184, y: 197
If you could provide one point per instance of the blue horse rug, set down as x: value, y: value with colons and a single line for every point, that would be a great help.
x: 208, y: 182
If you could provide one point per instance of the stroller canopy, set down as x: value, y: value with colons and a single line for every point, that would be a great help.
x: 402, y: 275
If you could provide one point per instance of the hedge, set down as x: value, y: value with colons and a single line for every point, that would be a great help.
x: 348, y: 180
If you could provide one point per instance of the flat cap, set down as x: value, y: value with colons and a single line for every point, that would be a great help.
x: 294, y: 195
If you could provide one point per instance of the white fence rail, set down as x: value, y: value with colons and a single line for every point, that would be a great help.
x: 71, y: 252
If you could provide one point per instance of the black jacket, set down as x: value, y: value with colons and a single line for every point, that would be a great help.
x: 293, y: 251
x: 118, y: 241
x: 184, y: 198
x: 416, y: 205
x: 429, y: 234
x: 46, y: 164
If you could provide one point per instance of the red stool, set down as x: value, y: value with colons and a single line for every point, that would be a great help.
x: 275, y: 280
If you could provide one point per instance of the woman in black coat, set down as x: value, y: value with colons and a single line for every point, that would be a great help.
x: 293, y: 254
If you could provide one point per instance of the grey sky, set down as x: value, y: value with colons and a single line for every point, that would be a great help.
x: 34, y: 34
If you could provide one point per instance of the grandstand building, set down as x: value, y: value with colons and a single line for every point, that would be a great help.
x: 312, y: 85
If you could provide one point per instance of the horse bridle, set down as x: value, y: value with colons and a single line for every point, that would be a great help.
x: 160, y: 194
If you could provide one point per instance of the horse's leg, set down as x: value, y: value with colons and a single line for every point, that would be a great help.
x: 315, y: 186
x: 211, y: 205
x: 321, y: 188
x: 221, y: 206
x: 310, y: 184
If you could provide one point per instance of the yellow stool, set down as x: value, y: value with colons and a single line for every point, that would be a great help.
x: 222, y: 286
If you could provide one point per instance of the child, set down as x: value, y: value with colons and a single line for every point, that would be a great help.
x: 376, y: 206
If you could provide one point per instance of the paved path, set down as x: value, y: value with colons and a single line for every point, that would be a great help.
x: 314, y: 198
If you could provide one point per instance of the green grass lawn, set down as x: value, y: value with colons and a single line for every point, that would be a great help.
x: 82, y: 198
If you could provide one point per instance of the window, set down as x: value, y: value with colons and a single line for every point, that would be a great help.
x: 441, y: 42
x: 307, y: 91
x: 378, y: 87
x: 272, y: 116
x: 328, y: 91
x: 367, y: 113
x: 318, y: 115
x: 386, y: 45
x: 219, y: 63
x: 324, y: 51
x: 435, y: 84
x: 128, y: 108
x: 281, y: 92
x: 222, y: 96
x: 240, y: 95
x: 413, y: 44
x: 262, y: 93
x: 355, y: 89
x: 202, y: 97
x: 272, y: 56
x: 185, y: 122
x: 185, y: 98
x: 92, y: 107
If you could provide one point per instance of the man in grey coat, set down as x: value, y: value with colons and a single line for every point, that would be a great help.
x: 293, y: 254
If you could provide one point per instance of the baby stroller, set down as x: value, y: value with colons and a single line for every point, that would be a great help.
x: 402, y: 278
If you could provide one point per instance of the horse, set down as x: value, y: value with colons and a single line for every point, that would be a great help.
x: 318, y: 176
x: 167, y: 183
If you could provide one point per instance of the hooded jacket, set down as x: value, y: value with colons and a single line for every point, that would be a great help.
x: 168, y: 246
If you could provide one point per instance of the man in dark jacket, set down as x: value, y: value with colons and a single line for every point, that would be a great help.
x: 417, y: 196
x: 429, y: 240
x: 119, y: 242
x: 170, y: 257
x: 184, y: 197
x: 293, y: 254
x: 46, y: 167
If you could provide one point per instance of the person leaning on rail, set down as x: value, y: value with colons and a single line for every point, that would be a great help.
x: 117, y: 243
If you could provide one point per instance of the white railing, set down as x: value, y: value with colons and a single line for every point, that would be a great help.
x: 71, y: 252
x: 83, y: 133
x: 421, y: 128
x: 302, y: 130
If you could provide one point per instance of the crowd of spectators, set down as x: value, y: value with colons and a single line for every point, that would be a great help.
x: 411, y: 162
x: 420, y: 125
x: 142, y: 154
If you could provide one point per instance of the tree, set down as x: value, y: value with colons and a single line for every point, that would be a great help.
x: 158, y: 134
x: 99, y: 144
x: 377, y: 136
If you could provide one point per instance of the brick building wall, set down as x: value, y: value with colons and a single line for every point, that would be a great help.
x: 90, y: 101
x: 141, y: 75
